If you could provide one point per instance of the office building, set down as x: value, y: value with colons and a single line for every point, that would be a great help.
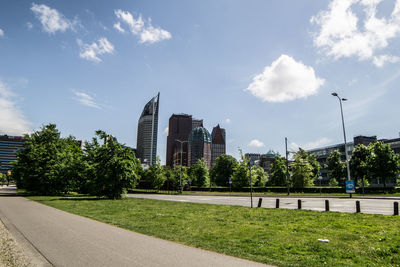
x: 146, y: 147
x: 199, y: 146
x: 179, y: 128
x: 218, y: 145
x: 9, y: 145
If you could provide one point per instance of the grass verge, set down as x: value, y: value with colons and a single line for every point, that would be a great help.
x: 276, y: 236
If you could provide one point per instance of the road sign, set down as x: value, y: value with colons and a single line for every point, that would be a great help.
x: 350, y: 188
x: 230, y: 181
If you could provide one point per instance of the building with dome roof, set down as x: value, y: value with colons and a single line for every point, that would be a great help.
x: 199, y: 146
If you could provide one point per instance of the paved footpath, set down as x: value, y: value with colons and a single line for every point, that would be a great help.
x: 344, y: 204
x: 58, y: 238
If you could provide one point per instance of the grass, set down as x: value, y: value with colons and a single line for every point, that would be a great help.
x: 276, y: 236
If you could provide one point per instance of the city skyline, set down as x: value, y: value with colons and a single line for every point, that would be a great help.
x: 262, y: 70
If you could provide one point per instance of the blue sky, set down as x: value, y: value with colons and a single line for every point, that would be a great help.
x: 264, y: 70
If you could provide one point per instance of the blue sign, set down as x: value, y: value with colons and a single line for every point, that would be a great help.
x: 350, y: 187
x: 230, y: 181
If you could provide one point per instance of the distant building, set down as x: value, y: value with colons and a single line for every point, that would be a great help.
x: 9, y: 145
x: 252, y: 157
x: 323, y: 153
x: 199, y: 146
x: 218, y: 145
x: 179, y: 128
x: 266, y: 160
x: 147, y: 132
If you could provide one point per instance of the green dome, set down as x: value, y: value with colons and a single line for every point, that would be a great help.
x: 200, y: 134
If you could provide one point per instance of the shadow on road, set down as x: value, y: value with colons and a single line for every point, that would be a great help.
x: 8, y: 191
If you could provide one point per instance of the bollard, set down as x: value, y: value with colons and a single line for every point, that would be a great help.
x: 358, y: 208
x: 396, y: 208
x: 277, y: 203
x: 259, y: 202
x: 299, y: 204
x: 326, y: 205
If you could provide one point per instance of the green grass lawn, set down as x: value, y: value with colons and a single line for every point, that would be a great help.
x: 276, y: 236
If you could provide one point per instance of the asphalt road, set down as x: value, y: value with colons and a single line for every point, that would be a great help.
x: 62, y: 239
x: 345, y: 204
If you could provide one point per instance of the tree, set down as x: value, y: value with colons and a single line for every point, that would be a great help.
x: 278, y: 171
x: 302, y: 172
x: 240, y: 176
x: 383, y: 163
x: 258, y: 176
x: 47, y: 164
x: 223, y: 169
x: 112, y: 168
x: 336, y: 168
x: 312, y: 160
x: 155, y: 175
x: 199, y: 173
x: 359, y: 165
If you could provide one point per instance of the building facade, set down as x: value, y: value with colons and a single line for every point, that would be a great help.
x: 218, y: 145
x: 146, y: 146
x: 199, y: 146
x: 9, y: 145
x: 179, y: 128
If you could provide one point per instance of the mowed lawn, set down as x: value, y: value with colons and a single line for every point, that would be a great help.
x: 276, y: 236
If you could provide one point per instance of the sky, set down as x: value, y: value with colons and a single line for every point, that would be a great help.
x: 263, y: 70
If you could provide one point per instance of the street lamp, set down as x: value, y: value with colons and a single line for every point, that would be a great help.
x: 344, y: 135
x: 180, y: 176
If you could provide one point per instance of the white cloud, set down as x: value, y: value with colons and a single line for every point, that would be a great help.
x: 29, y: 25
x: 343, y: 34
x: 165, y: 132
x: 118, y: 27
x: 146, y: 33
x: 12, y: 120
x: 379, y: 61
x: 52, y: 20
x: 92, y: 51
x: 285, y: 80
x: 1, y: 32
x: 256, y: 143
x: 85, y: 99
x: 318, y: 143
x: 228, y: 120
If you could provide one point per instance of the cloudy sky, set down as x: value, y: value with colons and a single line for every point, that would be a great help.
x: 264, y: 70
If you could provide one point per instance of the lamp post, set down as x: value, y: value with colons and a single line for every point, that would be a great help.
x: 344, y: 135
x: 180, y: 175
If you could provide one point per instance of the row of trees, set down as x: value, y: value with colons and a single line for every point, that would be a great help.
x: 50, y: 165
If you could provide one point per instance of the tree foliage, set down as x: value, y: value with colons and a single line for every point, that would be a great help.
x: 258, y: 176
x: 156, y: 175
x: 302, y: 172
x: 223, y: 169
x: 198, y: 172
x: 383, y: 163
x: 47, y: 163
x: 336, y: 168
x: 112, y: 168
x: 359, y: 164
x: 241, y: 175
x: 278, y: 171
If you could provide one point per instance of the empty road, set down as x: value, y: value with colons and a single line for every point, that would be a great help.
x: 345, y: 204
x: 58, y: 238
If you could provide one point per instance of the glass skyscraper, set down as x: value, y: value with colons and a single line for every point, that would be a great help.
x: 146, y: 147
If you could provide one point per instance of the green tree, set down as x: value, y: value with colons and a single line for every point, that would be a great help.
x: 302, y: 172
x: 155, y: 175
x: 312, y: 160
x: 223, y: 169
x: 258, y: 176
x: 199, y: 173
x: 241, y: 175
x: 383, y: 163
x: 112, y: 168
x: 47, y: 164
x: 278, y: 171
x: 336, y: 168
x: 359, y: 165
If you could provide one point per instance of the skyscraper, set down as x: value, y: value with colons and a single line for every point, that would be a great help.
x: 199, y: 146
x: 147, y: 132
x: 9, y: 145
x: 179, y: 128
x: 218, y: 144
